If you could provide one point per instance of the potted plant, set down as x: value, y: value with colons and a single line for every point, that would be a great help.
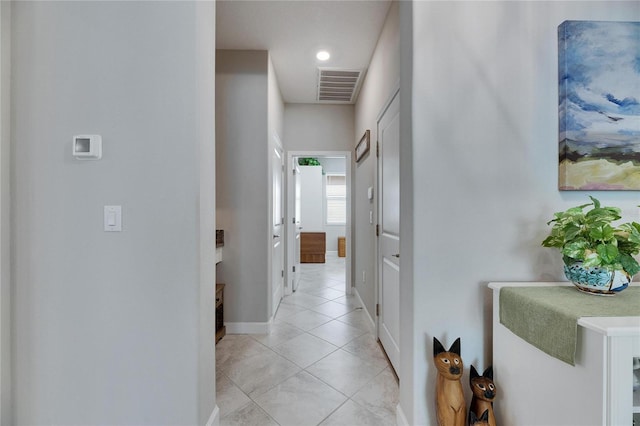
x: 598, y: 255
x: 308, y: 161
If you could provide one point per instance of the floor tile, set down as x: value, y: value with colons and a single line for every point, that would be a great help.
x: 332, y: 309
x: 350, y: 301
x: 337, y: 332
x: 307, y: 320
x: 336, y: 276
x: 300, y: 400
x: 297, y: 374
x: 249, y: 415
x: 368, y: 348
x: 358, y: 318
x: 281, y: 332
x: 305, y: 349
x: 303, y: 299
x: 288, y: 309
x: 257, y: 374
x: 336, y: 284
x: 344, y: 371
x: 327, y: 293
x: 352, y: 414
x: 235, y: 347
x: 380, y: 395
x: 229, y: 397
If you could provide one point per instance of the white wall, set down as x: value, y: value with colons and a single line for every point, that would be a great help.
x: 107, y: 326
x: 205, y: 12
x: 379, y: 84
x: 408, y: 338
x: 5, y: 213
x: 276, y: 106
x: 318, y: 127
x: 333, y: 165
x: 242, y: 176
x: 485, y: 159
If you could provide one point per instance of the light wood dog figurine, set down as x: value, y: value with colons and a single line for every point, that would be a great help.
x: 451, y: 407
x: 484, y: 392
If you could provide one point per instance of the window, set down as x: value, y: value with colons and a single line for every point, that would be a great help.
x: 336, y: 199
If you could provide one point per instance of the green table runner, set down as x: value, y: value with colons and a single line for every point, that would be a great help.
x: 547, y: 317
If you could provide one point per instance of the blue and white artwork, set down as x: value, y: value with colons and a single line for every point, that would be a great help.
x: 599, y: 105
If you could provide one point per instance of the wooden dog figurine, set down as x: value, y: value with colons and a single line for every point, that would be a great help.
x: 482, y: 421
x: 484, y: 392
x: 451, y: 407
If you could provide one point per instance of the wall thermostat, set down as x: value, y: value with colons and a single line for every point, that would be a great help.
x: 87, y: 147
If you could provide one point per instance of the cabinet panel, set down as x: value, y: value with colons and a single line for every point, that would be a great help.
x: 220, y: 328
x: 313, y: 246
x: 537, y: 389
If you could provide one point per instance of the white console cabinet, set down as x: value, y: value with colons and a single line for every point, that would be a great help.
x: 537, y: 389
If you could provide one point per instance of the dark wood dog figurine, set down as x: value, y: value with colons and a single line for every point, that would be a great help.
x: 484, y: 392
x: 482, y: 421
x: 451, y: 408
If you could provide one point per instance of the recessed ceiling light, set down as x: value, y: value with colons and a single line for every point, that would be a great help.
x: 323, y: 55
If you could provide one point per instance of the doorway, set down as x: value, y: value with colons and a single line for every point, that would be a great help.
x: 331, y: 213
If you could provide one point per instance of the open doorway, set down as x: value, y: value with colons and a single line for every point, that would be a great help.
x: 318, y: 216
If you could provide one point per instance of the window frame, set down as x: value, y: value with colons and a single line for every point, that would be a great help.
x: 327, y: 197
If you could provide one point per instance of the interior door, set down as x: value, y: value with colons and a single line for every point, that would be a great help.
x: 277, y: 255
x: 389, y: 230
x: 297, y: 227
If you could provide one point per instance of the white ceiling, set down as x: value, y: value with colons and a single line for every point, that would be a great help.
x: 294, y: 30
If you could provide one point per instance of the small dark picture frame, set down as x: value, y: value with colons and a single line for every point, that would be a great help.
x: 363, y: 146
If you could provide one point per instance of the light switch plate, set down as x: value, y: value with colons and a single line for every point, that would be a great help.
x: 112, y: 218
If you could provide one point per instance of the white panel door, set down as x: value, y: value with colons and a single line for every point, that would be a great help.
x: 297, y: 227
x: 277, y: 255
x: 389, y: 231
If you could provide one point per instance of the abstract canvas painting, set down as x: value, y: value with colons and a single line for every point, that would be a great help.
x: 599, y: 105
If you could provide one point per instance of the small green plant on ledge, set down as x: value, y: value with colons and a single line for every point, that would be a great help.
x: 591, y: 238
x: 307, y: 161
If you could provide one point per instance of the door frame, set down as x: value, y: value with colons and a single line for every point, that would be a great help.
x: 5, y: 216
x: 394, y: 92
x: 289, y: 202
x: 278, y: 148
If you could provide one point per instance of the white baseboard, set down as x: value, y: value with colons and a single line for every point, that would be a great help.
x: 401, y: 419
x: 214, y: 418
x: 248, y: 327
x: 364, y: 307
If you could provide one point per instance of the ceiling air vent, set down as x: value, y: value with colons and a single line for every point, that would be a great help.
x: 337, y: 85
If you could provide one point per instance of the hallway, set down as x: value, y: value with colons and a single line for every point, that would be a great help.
x: 321, y: 364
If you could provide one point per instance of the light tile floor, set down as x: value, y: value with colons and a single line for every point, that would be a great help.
x: 321, y: 364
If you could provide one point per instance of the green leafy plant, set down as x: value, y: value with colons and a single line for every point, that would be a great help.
x: 591, y: 238
x: 307, y: 161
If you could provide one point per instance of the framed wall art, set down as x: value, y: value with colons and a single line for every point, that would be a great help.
x: 599, y: 105
x: 363, y: 146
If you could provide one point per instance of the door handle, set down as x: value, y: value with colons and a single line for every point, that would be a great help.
x: 276, y: 236
x: 396, y: 255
